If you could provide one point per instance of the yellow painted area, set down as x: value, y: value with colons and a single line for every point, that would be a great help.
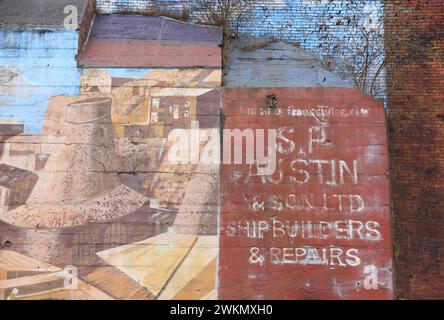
x: 152, y: 262
x: 196, y: 276
x: 13, y: 261
x: 169, y: 265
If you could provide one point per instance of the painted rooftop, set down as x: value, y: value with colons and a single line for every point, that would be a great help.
x: 142, y: 41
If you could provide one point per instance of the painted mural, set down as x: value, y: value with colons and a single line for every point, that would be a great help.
x: 106, y: 191
x: 91, y: 207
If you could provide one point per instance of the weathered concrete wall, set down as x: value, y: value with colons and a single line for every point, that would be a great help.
x: 331, y: 29
x: 85, y: 24
x: 305, y: 21
x: 42, y: 13
x: 316, y: 224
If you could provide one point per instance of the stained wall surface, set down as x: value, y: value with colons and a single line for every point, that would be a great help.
x: 89, y: 195
x: 331, y: 29
x: 309, y: 22
x: 269, y: 63
x: 42, y: 13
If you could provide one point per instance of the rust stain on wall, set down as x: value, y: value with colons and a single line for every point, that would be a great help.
x: 318, y: 225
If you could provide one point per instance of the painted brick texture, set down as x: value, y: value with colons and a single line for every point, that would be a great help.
x: 36, y: 65
x: 416, y: 122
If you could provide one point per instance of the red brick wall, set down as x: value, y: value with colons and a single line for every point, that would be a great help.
x: 415, y: 47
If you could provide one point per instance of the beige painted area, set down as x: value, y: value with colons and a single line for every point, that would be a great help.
x: 2, y: 277
x: 197, y: 199
x: 183, y: 78
x: 95, y: 81
x: 186, y: 187
x: 166, y: 264
x: 121, y: 287
x: 131, y: 104
x: 195, y: 278
x: 186, y: 92
x: 13, y: 261
x: 56, y: 114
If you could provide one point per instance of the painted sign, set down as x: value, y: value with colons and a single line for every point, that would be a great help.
x: 35, y: 65
x: 305, y: 202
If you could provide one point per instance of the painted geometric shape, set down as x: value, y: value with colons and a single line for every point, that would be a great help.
x: 166, y: 264
x: 118, y: 203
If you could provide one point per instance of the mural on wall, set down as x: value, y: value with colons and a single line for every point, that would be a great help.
x: 103, y: 194
x: 92, y: 208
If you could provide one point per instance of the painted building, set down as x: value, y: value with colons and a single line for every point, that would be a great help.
x: 94, y: 186
x: 111, y: 180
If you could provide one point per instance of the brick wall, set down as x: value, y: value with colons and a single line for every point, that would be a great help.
x: 113, y: 6
x: 416, y: 121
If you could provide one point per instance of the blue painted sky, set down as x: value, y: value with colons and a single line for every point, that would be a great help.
x: 43, y: 64
x: 46, y: 67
